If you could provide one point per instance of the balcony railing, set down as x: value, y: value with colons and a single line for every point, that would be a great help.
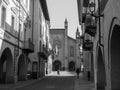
x: 44, y: 53
x: 28, y: 46
x: 90, y: 26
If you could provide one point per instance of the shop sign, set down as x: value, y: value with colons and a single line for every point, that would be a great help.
x: 4, y: 35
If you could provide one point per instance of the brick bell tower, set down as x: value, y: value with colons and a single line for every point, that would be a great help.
x: 66, y: 44
x: 78, y: 63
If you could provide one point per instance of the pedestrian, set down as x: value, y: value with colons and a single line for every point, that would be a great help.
x: 88, y: 75
x: 77, y: 72
x: 58, y: 71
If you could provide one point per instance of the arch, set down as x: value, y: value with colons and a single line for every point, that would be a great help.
x: 21, y: 68
x: 115, y: 57
x: 56, y: 65
x: 6, y: 67
x: 71, y: 66
x: 29, y: 68
x: 101, y: 74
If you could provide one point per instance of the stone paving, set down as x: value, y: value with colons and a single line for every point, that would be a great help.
x: 80, y: 84
x: 83, y: 84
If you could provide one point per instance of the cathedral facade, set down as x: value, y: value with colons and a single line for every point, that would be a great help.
x: 66, y: 48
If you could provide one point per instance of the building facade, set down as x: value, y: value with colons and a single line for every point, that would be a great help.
x: 41, y: 38
x: 14, y: 20
x: 106, y: 45
x: 86, y: 39
x: 66, y: 53
x: 24, y: 40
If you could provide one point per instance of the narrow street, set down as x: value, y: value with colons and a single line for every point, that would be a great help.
x: 56, y: 82
x: 64, y: 81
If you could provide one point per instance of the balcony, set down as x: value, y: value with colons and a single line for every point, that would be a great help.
x: 28, y: 46
x: 91, y: 30
x: 88, y: 45
x: 90, y: 25
x: 44, y: 53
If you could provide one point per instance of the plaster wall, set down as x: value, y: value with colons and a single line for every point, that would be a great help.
x: 111, y: 10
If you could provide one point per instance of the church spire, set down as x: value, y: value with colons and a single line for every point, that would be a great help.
x: 77, y: 33
x: 66, y: 23
x: 66, y: 26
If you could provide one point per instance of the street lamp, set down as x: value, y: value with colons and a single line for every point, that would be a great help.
x: 92, y: 7
x: 92, y: 10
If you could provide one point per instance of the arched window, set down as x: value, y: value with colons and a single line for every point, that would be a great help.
x: 71, y: 51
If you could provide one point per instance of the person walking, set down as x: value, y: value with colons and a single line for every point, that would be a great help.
x: 88, y: 75
x: 58, y: 71
x: 77, y: 72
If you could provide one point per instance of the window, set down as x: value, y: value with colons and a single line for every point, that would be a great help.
x: 72, y: 51
x: 40, y: 44
x: 40, y: 31
x: 13, y: 22
x: 3, y: 16
x: 26, y: 3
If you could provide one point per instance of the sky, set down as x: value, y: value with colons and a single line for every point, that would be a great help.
x: 61, y: 9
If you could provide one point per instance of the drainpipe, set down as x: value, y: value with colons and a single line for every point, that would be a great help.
x: 99, y: 13
x: 19, y: 29
x: 33, y: 21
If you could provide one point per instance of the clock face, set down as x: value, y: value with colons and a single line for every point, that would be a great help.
x: 58, y: 43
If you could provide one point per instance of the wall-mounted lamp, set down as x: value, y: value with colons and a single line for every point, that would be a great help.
x: 92, y: 12
x: 92, y: 7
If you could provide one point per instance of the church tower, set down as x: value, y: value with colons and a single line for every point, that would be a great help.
x: 77, y: 34
x: 66, y: 44
x: 78, y: 63
x: 66, y: 26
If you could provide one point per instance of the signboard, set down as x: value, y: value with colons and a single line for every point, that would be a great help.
x: 6, y: 36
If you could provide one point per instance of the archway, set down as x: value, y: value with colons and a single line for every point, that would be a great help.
x: 29, y: 69
x: 71, y: 66
x: 6, y: 67
x: 56, y: 65
x: 101, y: 76
x: 115, y: 58
x: 21, y: 68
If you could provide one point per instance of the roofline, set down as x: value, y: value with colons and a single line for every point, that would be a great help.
x: 45, y: 9
x: 71, y: 38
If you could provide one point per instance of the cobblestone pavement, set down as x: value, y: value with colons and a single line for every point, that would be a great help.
x: 64, y: 81
x: 83, y: 84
